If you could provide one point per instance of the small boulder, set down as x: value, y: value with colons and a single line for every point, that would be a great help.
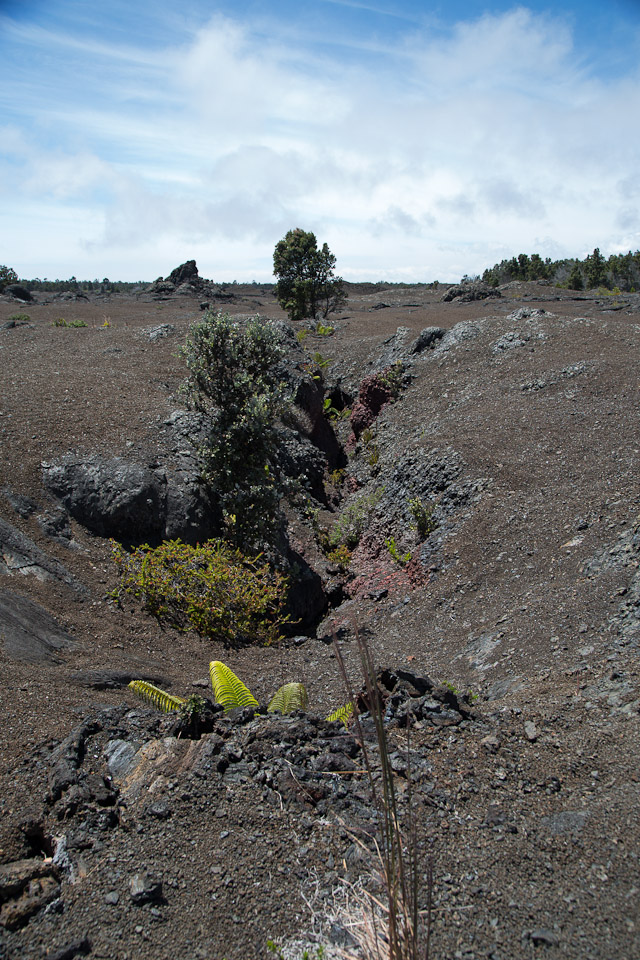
x: 467, y: 292
x: 18, y: 292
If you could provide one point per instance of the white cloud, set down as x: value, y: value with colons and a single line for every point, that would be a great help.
x: 445, y: 154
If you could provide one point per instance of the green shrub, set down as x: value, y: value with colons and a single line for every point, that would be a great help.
x: 371, y: 447
x: 213, y: 589
x: 349, y: 527
x: 422, y: 514
x: 19, y: 318
x: 7, y: 275
x: 234, y: 380
x: 61, y: 322
x: 323, y: 330
x: 391, y: 377
x: 400, y: 558
x: 337, y: 477
x: 341, y: 556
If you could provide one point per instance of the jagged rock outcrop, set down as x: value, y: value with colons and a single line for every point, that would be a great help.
x: 467, y: 292
x: 132, y: 502
x: 18, y: 292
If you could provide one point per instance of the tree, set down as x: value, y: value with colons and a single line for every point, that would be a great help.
x: 575, y: 281
x: 306, y: 282
x: 595, y: 268
x: 7, y: 275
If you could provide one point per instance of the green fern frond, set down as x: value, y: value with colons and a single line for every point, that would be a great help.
x: 290, y: 697
x: 156, y: 697
x: 342, y: 713
x: 228, y: 690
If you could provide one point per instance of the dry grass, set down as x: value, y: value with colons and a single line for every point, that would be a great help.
x: 386, y: 924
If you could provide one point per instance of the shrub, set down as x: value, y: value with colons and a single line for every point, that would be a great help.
x: 422, y: 514
x: 396, y: 556
x: 323, y: 330
x: 375, y: 391
x: 332, y: 413
x: 341, y: 556
x: 349, y: 527
x: 61, y: 322
x: 213, y: 589
x: 234, y: 380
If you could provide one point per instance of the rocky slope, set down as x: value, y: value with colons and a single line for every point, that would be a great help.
x: 515, y: 419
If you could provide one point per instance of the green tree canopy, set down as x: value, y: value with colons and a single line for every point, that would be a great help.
x: 7, y: 275
x: 596, y: 269
x: 306, y: 282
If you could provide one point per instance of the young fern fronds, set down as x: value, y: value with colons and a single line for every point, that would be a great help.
x: 342, y: 713
x: 228, y: 690
x: 156, y: 697
x: 290, y: 697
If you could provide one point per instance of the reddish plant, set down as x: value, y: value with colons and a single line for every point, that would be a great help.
x: 375, y: 392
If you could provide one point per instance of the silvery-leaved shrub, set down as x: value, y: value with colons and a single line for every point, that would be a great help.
x: 235, y: 382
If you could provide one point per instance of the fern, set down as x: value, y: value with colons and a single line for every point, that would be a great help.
x: 228, y: 690
x: 342, y: 713
x: 290, y: 697
x: 156, y: 697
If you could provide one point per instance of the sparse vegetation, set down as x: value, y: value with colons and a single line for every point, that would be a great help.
x: 341, y: 556
x: 394, y: 552
x: 213, y: 589
x: 371, y: 447
x: 391, y: 378
x: 388, y: 927
x: 19, y: 318
x: 163, y: 701
x: 422, y: 515
x: 61, y: 322
x: 231, y: 693
x: 323, y: 330
x: 349, y: 527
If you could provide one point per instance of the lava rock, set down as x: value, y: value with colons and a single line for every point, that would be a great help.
x: 29, y: 632
x: 131, y: 502
x: 19, y: 554
x: 144, y: 888
x: 25, y: 887
x: 466, y: 292
x: 18, y: 292
x: 427, y: 339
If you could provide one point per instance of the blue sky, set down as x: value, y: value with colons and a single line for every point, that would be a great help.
x: 420, y: 140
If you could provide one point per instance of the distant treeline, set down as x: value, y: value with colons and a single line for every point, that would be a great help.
x: 82, y: 286
x: 620, y: 272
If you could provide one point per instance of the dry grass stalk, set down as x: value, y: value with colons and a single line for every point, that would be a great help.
x: 387, y: 927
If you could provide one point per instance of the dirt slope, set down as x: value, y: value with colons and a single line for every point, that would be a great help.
x: 520, y: 423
